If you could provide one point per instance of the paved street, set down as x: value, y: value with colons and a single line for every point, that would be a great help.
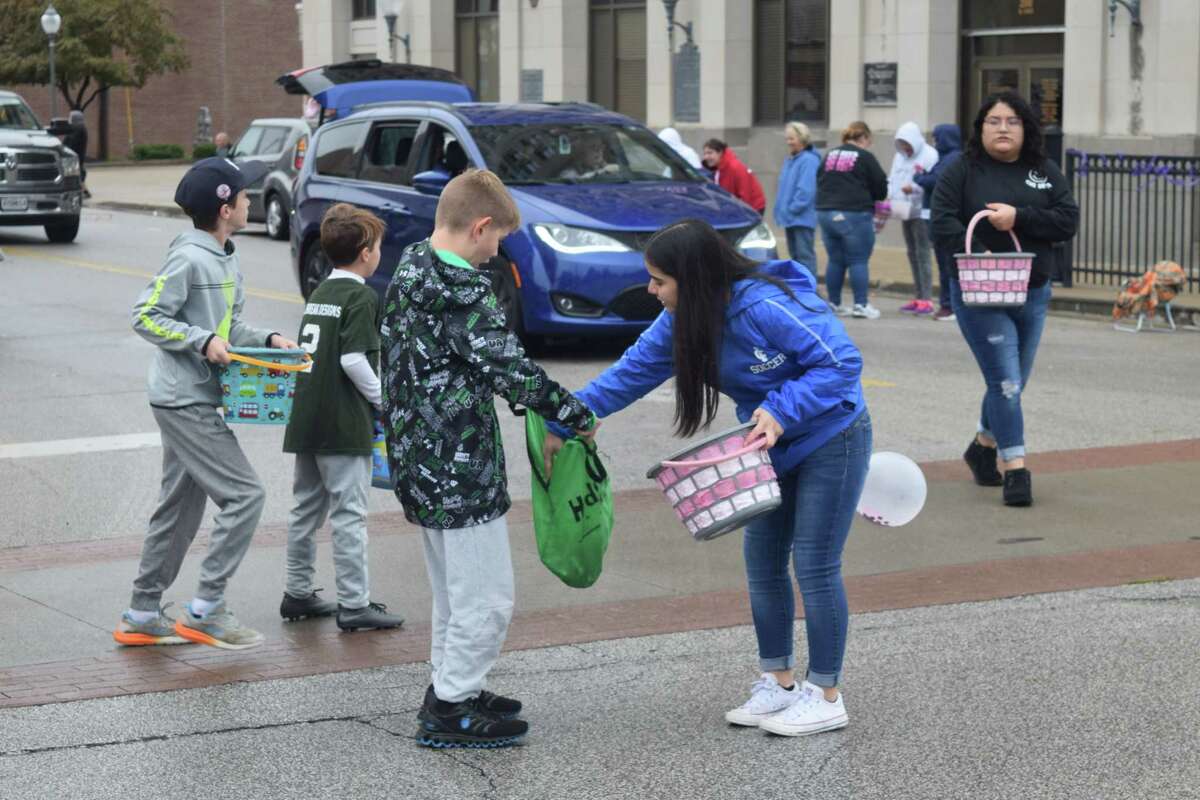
x: 1078, y: 685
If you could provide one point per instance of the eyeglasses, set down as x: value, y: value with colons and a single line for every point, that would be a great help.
x: 996, y: 122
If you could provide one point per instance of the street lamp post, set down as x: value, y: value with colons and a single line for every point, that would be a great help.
x: 51, y: 22
x: 396, y: 10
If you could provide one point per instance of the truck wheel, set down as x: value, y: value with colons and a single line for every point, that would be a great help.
x: 63, y: 232
x: 277, y: 218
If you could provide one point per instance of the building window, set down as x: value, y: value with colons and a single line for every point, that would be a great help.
x: 617, y: 48
x: 477, y: 24
x: 362, y: 9
x: 791, y: 60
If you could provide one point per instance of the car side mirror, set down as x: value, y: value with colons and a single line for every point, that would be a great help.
x: 431, y: 182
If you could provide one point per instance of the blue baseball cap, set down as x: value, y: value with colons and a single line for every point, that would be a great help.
x: 213, y: 182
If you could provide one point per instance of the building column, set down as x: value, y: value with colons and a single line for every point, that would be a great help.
x: 552, y: 38
x: 325, y: 32
x: 724, y: 32
x: 433, y: 33
x: 845, y: 64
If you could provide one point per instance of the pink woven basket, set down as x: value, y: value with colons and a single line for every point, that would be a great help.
x: 719, y: 484
x: 993, y: 279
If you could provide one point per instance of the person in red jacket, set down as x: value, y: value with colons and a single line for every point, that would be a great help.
x: 732, y: 175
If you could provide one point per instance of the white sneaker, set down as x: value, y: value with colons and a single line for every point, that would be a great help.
x: 767, y: 697
x: 841, y: 311
x: 812, y: 713
x: 865, y: 312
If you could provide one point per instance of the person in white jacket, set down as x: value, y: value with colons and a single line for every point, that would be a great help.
x: 675, y: 141
x: 914, y: 156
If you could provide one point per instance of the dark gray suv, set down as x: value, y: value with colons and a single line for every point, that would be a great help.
x: 281, y: 144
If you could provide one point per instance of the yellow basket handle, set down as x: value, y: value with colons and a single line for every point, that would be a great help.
x: 258, y: 362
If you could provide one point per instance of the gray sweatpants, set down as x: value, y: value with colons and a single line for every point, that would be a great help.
x: 201, y: 459
x: 916, y: 241
x: 470, y: 572
x: 322, y: 483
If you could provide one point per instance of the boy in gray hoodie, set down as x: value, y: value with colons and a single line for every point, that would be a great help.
x: 192, y: 312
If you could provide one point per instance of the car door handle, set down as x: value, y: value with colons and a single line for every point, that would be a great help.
x: 395, y: 208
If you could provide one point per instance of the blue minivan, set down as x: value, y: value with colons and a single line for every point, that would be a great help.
x: 591, y: 185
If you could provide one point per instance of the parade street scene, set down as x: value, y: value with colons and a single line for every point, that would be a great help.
x: 572, y: 399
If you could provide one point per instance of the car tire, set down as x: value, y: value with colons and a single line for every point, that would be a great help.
x: 314, y: 269
x: 63, y: 232
x: 508, y: 297
x: 276, y: 217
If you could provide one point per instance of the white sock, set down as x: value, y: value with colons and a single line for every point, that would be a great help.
x: 141, y: 617
x: 201, y: 608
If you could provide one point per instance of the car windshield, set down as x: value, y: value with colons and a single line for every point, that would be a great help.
x: 15, y: 114
x: 578, y: 153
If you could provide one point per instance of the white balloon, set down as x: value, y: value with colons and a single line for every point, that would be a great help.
x: 894, y: 492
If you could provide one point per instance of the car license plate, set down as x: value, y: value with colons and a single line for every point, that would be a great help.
x: 14, y: 203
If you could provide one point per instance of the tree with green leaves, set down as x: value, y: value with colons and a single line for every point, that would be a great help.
x: 102, y: 43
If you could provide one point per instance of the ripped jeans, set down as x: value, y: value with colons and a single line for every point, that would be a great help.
x: 1004, y: 341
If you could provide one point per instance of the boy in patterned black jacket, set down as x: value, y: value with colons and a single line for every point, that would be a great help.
x: 446, y: 353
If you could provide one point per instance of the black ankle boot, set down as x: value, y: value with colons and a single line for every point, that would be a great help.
x: 1018, y: 488
x: 294, y: 608
x: 982, y: 461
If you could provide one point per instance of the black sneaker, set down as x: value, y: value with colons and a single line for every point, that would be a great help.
x: 294, y: 608
x: 370, y: 617
x: 982, y: 461
x: 1018, y: 488
x: 498, y: 705
x: 465, y: 724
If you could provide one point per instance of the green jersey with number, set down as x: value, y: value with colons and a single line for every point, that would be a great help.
x: 329, y: 413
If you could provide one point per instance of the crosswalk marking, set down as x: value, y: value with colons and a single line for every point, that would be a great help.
x: 70, y: 447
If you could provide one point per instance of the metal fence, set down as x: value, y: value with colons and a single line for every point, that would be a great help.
x: 1134, y: 211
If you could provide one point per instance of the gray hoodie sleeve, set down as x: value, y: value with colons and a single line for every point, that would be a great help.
x: 157, y: 308
x: 241, y: 334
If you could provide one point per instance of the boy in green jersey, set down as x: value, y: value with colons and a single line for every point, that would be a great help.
x: 332, y: 425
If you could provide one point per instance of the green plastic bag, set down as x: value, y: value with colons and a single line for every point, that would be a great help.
x: 572, y: 512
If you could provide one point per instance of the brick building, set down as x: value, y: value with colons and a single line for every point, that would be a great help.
x: 237, y: 50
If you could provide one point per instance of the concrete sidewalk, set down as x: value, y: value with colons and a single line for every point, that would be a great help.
x: 151, y: 189
x: 1067, y: 696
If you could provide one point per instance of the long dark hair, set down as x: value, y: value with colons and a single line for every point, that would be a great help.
x: 1033, y: 150
x: 705, y: 266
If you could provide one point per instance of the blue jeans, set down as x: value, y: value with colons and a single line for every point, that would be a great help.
x: 801, y: 247
x: 849, y: 238
x: 946, y: 269
x: 1004, y: 341
x: 809, y: 529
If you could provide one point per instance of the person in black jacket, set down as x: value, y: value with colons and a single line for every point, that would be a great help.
x: 849, y: 183
x: 947, y: 138
x: 1005, y: 170
x: 77, y: 140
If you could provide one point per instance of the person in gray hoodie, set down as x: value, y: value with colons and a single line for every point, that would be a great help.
x: 913, y: 157
x: 191, y: 312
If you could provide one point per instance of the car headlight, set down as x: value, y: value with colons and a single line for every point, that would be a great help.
x: 70, y: 164
x: 574, y: 241
x: 759, y: 238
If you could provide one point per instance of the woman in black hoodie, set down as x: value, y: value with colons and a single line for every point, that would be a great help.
x: 1006, y: 171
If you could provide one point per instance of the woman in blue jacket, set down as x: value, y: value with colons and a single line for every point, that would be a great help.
x: 761, y: 335
x: 796, y: 200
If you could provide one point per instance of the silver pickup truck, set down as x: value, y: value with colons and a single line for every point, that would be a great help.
x: 39, y: 177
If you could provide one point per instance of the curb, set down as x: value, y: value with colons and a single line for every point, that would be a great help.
x: 149, y: 162
x: 142, y: 208
x: 1066, y: 304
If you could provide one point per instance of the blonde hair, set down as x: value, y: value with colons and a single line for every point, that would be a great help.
x: 802, y: 132
x: 473, y: 195
x: 855, y: 130
x: 347, y: 230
